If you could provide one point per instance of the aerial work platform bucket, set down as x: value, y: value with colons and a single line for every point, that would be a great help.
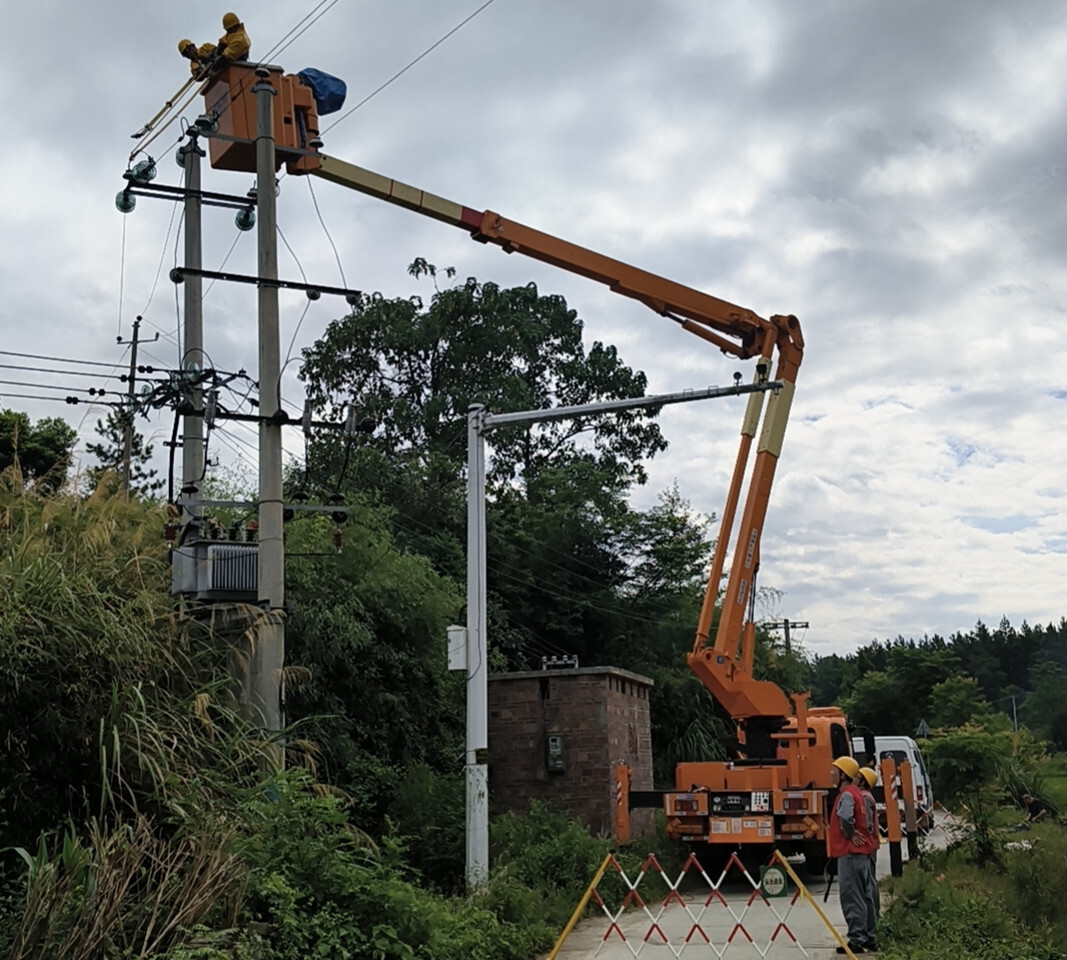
x: 229, y: 100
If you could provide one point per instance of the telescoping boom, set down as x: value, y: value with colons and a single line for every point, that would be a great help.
x: 775, y: 788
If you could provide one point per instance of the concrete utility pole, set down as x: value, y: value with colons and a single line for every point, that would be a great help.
x: 127, y: 417
x: 268, y: 652
x: 785, y: 625
x: 193, y: 426
x: 480, y: 423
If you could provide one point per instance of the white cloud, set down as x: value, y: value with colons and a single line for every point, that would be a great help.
x: 888, y: 172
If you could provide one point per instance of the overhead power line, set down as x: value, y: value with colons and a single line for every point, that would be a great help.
x: 66, y: 373
x: 39, y: 356
x: 73, y: 401
x: 396, y: 76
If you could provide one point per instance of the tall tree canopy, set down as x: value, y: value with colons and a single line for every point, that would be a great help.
x: 556, y: 491
x: 42, y: 449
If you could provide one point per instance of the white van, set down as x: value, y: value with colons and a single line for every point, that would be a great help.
x: 902, y: 748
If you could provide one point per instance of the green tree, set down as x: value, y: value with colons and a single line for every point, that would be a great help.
x: 42, y: 449
x: 1045, y: 709
x: 556, y: 491
x: 415, y: 369
x: 894, y: 698
x: 109, y: 452
x: 368, y: 627
x: 955, y: 702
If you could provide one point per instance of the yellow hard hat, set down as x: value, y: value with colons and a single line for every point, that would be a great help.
x: 182, y: 44
x: 869, y: 775
x: 848, y: 766
x: 230, y: 20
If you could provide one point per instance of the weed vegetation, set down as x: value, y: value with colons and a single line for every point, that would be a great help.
x: 947, y: 907
x: 141, y: 816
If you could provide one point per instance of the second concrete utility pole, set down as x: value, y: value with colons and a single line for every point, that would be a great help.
x: 268, y: 653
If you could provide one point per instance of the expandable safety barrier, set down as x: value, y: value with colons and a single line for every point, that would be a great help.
x: 653, y: 912
x: 943, y: 824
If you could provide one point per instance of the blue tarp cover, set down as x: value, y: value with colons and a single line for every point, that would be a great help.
x: 329, y: 91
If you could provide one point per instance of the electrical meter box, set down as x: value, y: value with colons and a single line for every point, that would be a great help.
x: 554, y: 743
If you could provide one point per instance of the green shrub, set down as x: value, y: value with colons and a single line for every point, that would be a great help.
x: 322, y: 889
x: 930, y: 919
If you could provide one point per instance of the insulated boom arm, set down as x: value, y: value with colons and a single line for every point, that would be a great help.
x: 726, y: 667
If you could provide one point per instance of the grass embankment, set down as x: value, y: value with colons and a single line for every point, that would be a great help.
x: 951, y: 906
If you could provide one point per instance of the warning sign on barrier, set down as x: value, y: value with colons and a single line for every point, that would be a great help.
x: 773, y: 882
x: 699, y: 915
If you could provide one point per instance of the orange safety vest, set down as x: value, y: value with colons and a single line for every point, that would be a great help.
x: 839, y: 844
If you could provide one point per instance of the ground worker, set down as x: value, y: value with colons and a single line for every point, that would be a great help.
x: 1035, y: 809
x: 234, y: 45
x: 850, y: 843
x: 866, y: 781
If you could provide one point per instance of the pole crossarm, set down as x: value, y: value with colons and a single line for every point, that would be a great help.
x: 178, y: 274
x: 492, y: 420
x: 162, y: 191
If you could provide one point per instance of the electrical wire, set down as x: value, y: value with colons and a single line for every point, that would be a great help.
x: 270, y: 53
x: 41, y: 356
x: 162, y: 255
x: 73, y: 401
x: 122, y: 273
x: 400, y: 73
x: 225, y: 260
x: 287, y: 41
x: 333, y: 246
x: 292, y: 253
x: 177, y: 307
x: 598, y: 583
x: 92, y: 391
x: 67, y: 373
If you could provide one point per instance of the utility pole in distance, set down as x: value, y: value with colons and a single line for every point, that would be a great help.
x: 127, y: 415
x: 785, y: 625
x: 268, y: 653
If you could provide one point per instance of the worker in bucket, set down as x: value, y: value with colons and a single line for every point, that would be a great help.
x: 234, y: 45
x: 200, y: 58
x: 866, y: 781
x: 850, y: 844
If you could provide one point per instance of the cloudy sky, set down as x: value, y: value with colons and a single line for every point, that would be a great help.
x: 891, y: 172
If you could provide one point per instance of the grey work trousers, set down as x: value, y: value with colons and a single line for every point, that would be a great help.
x: 855, y: 880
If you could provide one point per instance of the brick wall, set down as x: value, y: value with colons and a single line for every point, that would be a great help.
x: 601, y: 714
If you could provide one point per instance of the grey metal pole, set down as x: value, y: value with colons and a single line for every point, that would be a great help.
x: 480, y: 422
x: 477, y: 760
x: 268, y: 653
x: 192, y: 426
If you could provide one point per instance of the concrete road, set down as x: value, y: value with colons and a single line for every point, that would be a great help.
x: 769, y: 922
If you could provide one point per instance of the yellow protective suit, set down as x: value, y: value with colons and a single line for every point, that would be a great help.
x: 234, y: 44
x: 199, y: 57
